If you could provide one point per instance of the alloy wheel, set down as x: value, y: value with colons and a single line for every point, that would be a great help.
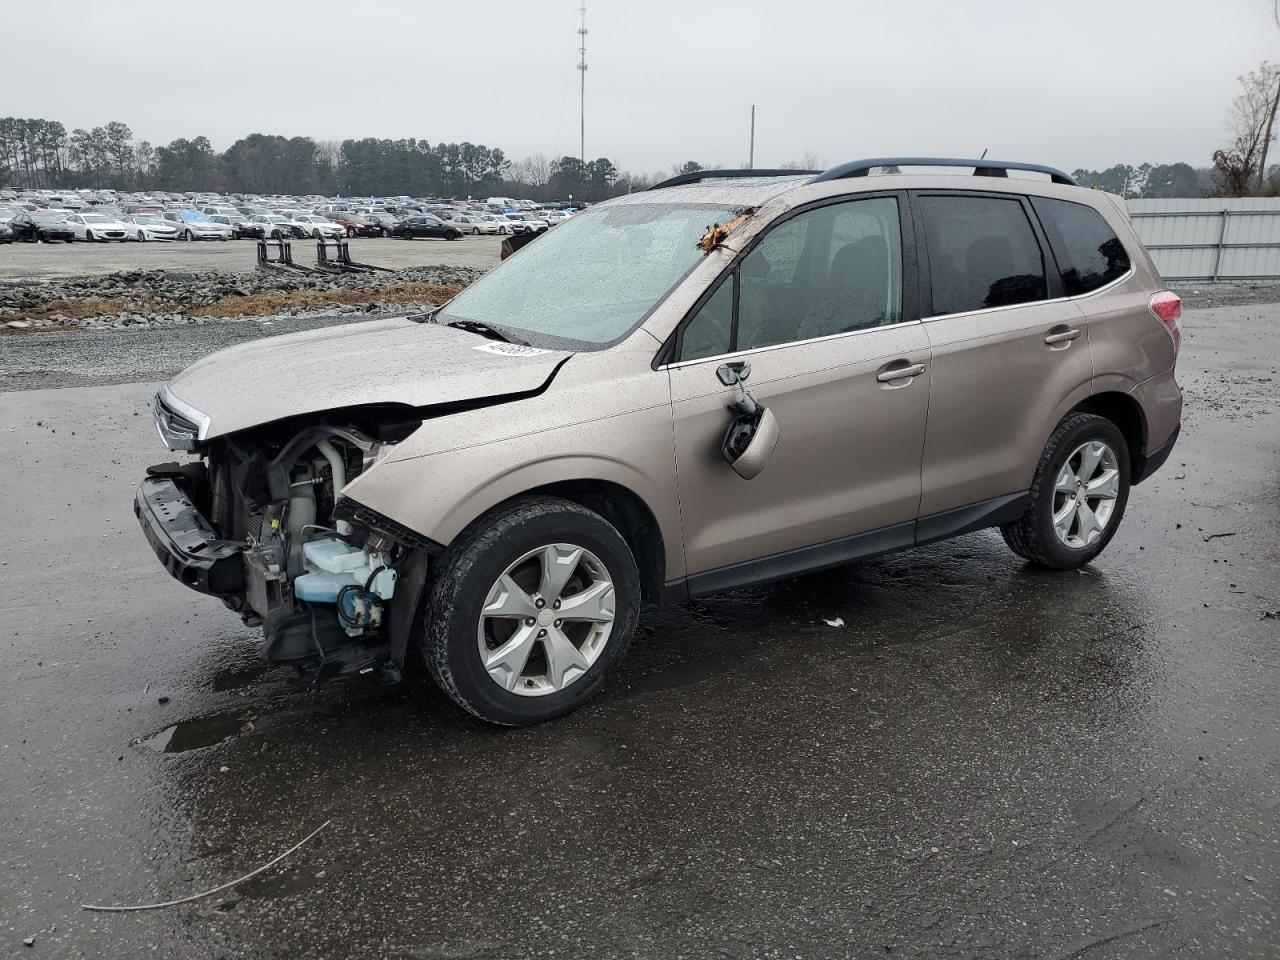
x: 1084, y: 494
x: 546, y: 620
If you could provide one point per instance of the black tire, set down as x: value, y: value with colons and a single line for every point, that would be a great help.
x: 384, y: 232
x: 475, y: 231
x: 88, y: 235
x: 1032, y: 536
x: 469, y: 568
x: 188, y: 236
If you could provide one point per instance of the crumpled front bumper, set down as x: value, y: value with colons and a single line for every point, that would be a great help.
x: 183, y: 540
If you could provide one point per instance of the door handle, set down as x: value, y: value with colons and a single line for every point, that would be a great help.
x: 900, y: 373
x: 1061, y: 336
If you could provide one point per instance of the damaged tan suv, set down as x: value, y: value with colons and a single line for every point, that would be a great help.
x: 733, y: 377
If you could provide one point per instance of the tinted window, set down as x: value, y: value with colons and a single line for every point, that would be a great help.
x: 982, y: 253
x: 710, y: 332
x: 1089, y: 253
x: 832, y: 270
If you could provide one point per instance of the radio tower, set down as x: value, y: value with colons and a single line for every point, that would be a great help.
x: 582, y: 91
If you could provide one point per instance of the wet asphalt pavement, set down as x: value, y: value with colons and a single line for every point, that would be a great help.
x: 985, y: 761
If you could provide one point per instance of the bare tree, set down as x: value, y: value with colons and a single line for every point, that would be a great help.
x: 1242, y: 163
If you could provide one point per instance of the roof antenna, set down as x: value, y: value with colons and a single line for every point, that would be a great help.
x: 984, y: 153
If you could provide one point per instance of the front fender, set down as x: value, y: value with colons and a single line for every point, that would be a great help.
x: 437, y: 495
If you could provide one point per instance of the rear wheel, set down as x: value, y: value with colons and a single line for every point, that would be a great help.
x: 531, y: 608
x: 1078, y: 495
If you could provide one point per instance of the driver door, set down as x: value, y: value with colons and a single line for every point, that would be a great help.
x: 820, y: 311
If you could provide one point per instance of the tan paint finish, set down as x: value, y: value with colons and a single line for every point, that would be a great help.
x: 847, y: 461
x: 997, y: 391
x: 853, y: 455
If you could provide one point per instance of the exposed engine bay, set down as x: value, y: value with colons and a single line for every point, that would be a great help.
x: 320, y: 584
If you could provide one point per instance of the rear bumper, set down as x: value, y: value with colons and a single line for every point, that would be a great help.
x: 183, y: 541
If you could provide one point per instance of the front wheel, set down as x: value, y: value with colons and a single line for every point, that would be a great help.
x: 530, y: 609
x: 1078, y: 495
x: 188, y: 236
x: 88, y: 235
x: 142, y: 236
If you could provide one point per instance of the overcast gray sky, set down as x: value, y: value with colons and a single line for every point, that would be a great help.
x: 1076, y: 83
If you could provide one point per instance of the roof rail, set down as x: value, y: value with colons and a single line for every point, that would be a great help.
x: 981, y: 168
x: 700, y: 175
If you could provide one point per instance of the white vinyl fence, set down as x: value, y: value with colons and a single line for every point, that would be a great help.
x: 1211, y: 239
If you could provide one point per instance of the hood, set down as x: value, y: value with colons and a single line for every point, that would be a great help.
x: 379, y: 361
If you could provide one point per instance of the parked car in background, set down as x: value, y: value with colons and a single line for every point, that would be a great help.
x: 242, y: 227
x: 143, y: 227
x: 355, y: 225
x: 476, y: 223
x: 97, y: 226
x: 428, y: 226
x: 197, y: 226
x: 41, y: 225
x: 387, y: 222
x: 534, y: 221
x: 274, y: 226
x: 317, y: 226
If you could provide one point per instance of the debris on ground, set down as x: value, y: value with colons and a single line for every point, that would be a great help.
x: 208, y: 893
x: 837, y: 622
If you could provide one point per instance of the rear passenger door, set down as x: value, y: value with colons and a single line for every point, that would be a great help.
x: 1008, y: 348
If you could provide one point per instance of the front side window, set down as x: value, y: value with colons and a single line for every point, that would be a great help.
x: 836, y: 269
x: 1089, y: 253
x: 982, y: 253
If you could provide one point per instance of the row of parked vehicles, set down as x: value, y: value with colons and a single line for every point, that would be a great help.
x: 50, y: 217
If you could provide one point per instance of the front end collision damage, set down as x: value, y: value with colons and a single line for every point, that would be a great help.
x: 258, y: 520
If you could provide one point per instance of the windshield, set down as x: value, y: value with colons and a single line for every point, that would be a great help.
x: 49, y: 217
x: 95, y: 218
x: 594, y: 277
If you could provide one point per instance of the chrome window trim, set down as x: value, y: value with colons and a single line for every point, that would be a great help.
x: 1030, y: 303
x: 184, y: 409
x: 788, y: 343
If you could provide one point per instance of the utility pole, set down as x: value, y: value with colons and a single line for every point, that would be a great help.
x: 751, y: 151
x: 582, y: 88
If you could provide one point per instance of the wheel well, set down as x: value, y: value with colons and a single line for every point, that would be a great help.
x: 633, y: 519
x: 1124, y: 411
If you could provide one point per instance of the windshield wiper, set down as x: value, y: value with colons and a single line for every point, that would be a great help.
x: 475, y: 326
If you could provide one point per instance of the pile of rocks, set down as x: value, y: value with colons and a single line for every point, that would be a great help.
x: 160, y: 297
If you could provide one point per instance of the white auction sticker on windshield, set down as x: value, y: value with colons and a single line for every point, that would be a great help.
x: 509, y: 349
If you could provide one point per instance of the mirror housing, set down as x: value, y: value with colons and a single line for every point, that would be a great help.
x: 733, y: 373
x: 760, y: 448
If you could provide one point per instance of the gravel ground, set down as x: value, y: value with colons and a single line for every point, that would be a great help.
x: 986, y: 760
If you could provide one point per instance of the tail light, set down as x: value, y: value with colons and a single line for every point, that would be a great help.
x: 1167, y: 306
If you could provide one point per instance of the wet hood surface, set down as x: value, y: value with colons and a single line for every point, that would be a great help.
x: 382, y: 361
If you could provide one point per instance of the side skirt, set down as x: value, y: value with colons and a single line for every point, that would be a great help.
x: 834, y: 553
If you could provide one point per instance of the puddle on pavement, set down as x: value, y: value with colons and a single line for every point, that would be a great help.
x: 198, y: 732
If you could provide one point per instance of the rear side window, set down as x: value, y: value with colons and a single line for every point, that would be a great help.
x: 982, y: 253
x: 1089, y: 253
